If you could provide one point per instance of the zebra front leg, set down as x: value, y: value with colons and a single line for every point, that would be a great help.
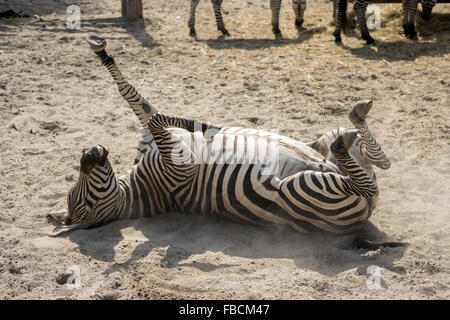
x: 275, y: 6
x: 191, y: 21
x: 367, y: 145
x: 140, y: 105
x: 360, y: 10
x: 340, y: 19
x: 411, y: 6
x: 174, y: 152
x: 217, y: 6
x: 299, y: 7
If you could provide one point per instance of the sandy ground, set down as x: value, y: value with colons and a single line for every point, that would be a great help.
x: 56, y: 98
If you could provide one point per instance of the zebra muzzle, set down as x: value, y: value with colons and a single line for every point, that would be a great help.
x: 91, y: 157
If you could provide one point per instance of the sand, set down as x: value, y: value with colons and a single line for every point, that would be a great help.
x: 56, y: 99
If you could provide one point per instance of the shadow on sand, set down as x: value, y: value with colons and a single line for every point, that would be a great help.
x: 186, y: 235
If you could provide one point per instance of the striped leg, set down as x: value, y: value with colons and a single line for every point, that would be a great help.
x: 360, y: 10
x: 340, y: 19
x: 275, y: 6
x: 412, y: 10
x: 177, y: 157
x: 191, y: 22
x: 141, y: 107
x: 217, y: 6
x: 405, y: 16
x: 299, y: 7
x: 358, y: 181
x: 427, y: 8
x: 367, y: 145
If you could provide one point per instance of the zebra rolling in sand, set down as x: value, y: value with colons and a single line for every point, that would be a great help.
x: 299, y: 7
x: 327, y: 185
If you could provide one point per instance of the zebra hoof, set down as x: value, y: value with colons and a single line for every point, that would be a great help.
x: 337, y: 37
x: 277, y: 32
x: 426, y: 16
x: 413, y: 36
x: 192, y: 33
x: 370, y: 41
x: 96, y: 43
x: 224, y: 32
x: 362, y: 108
x: 349, y: 137
x: 344, y: 141
x: 298, y: 23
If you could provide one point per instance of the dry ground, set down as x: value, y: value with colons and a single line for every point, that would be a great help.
x: 56, y: 98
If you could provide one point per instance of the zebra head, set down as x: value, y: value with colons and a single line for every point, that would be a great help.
x: 92, y: 201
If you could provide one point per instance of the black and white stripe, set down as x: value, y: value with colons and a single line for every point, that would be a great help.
x: 299, y: 7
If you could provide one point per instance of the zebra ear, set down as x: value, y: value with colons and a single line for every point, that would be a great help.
x: 63, y: 228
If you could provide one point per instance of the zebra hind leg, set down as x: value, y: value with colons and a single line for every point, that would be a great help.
x: 368, y: 146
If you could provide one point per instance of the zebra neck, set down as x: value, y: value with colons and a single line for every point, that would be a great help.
x: 140, y: 194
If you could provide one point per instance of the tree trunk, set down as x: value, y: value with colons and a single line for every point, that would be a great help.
x: 132, y: 9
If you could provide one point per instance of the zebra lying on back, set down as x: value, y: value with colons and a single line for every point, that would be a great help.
x: 245, y: 175
x: 409, y: 14
x: 299, y: 7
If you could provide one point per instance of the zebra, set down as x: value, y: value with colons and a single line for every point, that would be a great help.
x: 409, y: 13
x: 328, y: 185
x: 299, y: 7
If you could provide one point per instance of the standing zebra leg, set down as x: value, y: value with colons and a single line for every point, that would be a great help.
x: 217, y: 6
x: 360, y: 10
x: 340, y: 19
x: 405, y: 16
x: 367, y: 145
x: 275, y: 6
x: 141, y: 107
x: 299, y: 7
x: 427, y: 8
x: 412, y: 10
x: 191, y: 22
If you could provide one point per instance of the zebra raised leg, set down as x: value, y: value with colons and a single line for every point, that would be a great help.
x: 140, y: 105
x: 367, y: 145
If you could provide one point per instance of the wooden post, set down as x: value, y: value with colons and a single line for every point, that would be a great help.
x: 132, y: 9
